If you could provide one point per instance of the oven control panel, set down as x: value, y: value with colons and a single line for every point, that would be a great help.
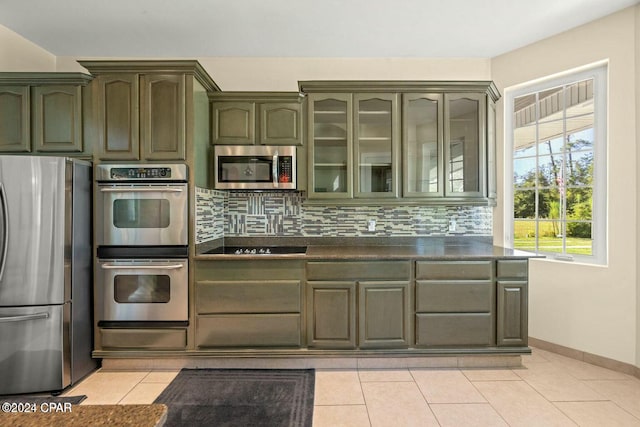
x: 138, y: 172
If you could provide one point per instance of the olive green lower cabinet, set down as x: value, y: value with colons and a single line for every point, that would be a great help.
x: 252, y: 303
x: 373, y: 295
x: 455, y: 304
x: 512, y: 289
x: 143, y: 338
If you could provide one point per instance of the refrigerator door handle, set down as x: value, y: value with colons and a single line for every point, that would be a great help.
x: 26, y: 317
x: 5, y: 229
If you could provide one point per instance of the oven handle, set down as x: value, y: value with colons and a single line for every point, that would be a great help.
x: 141, y: 190
x: 141, y: 267
x: 24, y: 317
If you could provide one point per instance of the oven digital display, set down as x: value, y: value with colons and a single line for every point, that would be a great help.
x: 140, y: 173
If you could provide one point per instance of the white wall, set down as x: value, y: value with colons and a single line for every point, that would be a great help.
x: 588, y: 308
x: 283, y: 74
x: 19, y: 54
x: 637, y: 39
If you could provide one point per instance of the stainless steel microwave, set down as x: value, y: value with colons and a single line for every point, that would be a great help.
x: 255, y: 167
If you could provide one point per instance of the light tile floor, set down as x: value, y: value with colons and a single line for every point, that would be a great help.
x: 549, y: 390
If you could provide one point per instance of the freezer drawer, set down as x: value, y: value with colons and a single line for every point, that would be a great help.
x: 31, y: 354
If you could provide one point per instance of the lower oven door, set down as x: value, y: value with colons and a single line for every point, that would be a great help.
x: 143, y: 289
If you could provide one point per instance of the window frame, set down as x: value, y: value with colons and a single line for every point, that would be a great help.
x: 599, y: 73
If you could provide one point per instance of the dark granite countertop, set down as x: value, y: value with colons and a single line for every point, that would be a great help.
x: 153, y: 415
x: 369, y: 249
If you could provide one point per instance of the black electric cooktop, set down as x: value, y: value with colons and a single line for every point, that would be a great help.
x: 258, y: 250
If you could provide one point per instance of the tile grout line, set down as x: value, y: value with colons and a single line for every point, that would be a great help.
x: 132, y: 388
x: 364, y: 398
x: 487, y: 400
x: 435, y: 417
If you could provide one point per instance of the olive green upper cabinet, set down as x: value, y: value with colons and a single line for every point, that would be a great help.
x: 15, y: 135
x: 330, y: 146
x: 42, y: 113
x: 413, y: 141
x: 465, y: 144
x: 353, y: 145
x: 376, y: 145
x: 268, y: 118
x: 163, y: 116
x: 422, y: 145
x: 144, y: 110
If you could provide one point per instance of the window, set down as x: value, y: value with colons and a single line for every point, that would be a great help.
x: 555, y: 194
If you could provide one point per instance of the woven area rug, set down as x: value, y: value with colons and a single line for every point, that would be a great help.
x: 240, y: 397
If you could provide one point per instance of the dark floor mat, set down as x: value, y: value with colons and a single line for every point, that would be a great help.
x: 240, y: 397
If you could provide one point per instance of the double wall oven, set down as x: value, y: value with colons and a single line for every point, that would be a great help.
x: 142, y: 239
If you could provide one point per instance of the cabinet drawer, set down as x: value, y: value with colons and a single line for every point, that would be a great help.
x: 250, y: 330
x: 459, y: 329
x: 454, y: 296
x: 454, y: 270
x: 358, y: 270
x: 515, y: 268
x: 268, y: 296
x: 249, y: 270
x: 153, y: 339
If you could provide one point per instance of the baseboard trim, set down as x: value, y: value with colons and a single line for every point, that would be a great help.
x: 594, y: 359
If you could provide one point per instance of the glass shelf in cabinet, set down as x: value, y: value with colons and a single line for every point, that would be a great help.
x: 375, y: 138
x: 330, y: 165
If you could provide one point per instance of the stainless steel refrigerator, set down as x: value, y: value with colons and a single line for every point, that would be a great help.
x: 45, y: 273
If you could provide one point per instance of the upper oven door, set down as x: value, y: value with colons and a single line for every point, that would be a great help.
x: 142, y: 215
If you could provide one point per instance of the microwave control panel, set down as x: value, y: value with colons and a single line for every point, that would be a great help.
x: 285, y: 169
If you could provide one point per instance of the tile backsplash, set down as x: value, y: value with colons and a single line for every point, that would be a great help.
x: 210, y: 218
x: 284, y: 214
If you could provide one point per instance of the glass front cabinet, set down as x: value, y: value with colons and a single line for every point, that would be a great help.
x: 422, y: 145
x: 330, y: 146
x: 376, y: 145
x: 425, y: 142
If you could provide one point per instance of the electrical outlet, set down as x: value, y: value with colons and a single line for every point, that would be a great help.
x: 371, y: 226
x: 452, y: 225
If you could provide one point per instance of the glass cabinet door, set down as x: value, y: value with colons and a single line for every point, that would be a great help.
x: 464, y: 144
x: 422, y: 145
x: 375, y: 145
x: 330, y: 146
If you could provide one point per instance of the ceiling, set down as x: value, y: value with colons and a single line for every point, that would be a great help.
x: 295, y: 28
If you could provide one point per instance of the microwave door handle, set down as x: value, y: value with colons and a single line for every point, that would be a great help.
x: 5, y: 229
x: 274, y: 170
x: 141, y: 190
x: 141, y: 267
